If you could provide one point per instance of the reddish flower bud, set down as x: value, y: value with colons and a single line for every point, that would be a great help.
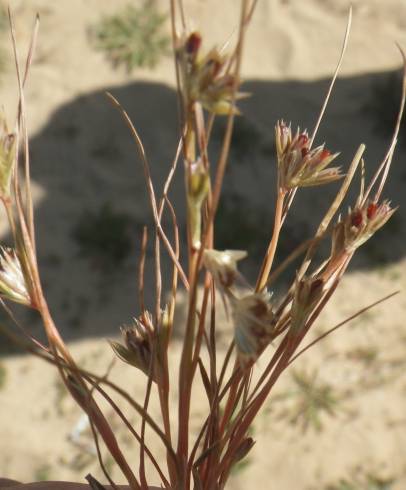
x: 356, y: 219
x: 300, y: 165
x: 324, y: 154
x: 193, y: 43
x: 371, y: 210
x: 303, y: 139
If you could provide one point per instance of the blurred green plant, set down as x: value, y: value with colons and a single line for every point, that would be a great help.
x: 313, y: 399
x: 43, y: 473
x: 371, y: 483
x: 366, y: 354
x: 104, y: 236
x: 134, y: 37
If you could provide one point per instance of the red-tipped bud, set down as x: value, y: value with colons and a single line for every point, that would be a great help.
x: 356, y: 218
x: 193, y: 43
x: 371, y: 210
x: 359, y: 225
x: 299, y: 165
x: 303, y: 139
x: 324, y: 154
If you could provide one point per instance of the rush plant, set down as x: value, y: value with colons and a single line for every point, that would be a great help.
x: 275, y: 330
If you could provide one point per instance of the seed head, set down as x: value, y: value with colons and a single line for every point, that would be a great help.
x: 298, y: 165
x: 205, y: 78
x: 223, y: 265
x: 359, y: 225
x: 137, y: 348
x: 308, y: 292
x: 253, y: 324
x: 13, y: 285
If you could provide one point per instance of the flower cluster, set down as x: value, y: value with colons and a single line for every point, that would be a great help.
x: 253, y: 324
x: 307, y: 293
x: 223, y: 265
x: 13, y: 285
x: 205, y: 78
x: 252, y: 313
x: 137, y: 348
x: 298, y: 164
x: 359, y: 225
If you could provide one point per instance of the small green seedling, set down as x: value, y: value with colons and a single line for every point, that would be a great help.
x: 134, y: 37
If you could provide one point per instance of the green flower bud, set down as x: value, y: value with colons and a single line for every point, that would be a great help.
x: 197, y: 191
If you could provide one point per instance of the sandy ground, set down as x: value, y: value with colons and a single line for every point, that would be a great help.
x: 83, y: 158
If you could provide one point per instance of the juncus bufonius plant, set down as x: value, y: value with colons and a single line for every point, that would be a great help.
x: 262, y: 326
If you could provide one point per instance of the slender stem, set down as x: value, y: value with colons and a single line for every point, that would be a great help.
x: 184, y: 370
x: 130, y: 428
x: 270, y: 254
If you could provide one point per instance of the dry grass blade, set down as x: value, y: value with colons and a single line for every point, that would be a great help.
x: 131, y: 430
x: 336, y: 72
x: 141, y: 269
x: 158, y: 279
x: 169, y: 179
x: 101, y: 462
x: 333, y: 208
x: 341, y: 324
x: 387, y: 160
x: 21, y: 120
x: 95, y: 379
x: 150, y: 187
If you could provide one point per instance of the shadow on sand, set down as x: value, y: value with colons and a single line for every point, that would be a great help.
x: 85, y: 160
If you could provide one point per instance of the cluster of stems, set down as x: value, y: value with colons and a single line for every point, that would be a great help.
x: 260, y: 326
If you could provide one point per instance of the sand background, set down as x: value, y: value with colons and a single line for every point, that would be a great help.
x: 83, y: 158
